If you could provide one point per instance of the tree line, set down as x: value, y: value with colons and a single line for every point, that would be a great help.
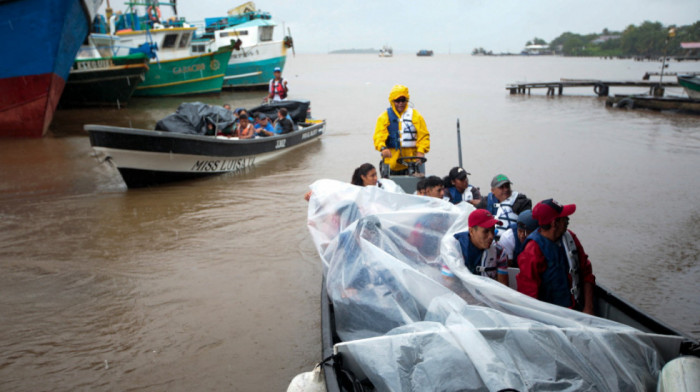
x: 647, y: 40
x: 650, y: 39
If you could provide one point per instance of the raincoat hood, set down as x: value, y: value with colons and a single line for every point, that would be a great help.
x: 396, y: 92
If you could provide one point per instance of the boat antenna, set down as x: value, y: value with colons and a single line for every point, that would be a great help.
x: 459, y: 144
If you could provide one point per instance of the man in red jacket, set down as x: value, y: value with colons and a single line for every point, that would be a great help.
x: 553, y: 265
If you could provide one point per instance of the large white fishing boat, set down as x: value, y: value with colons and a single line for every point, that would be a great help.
x: 256, y: 53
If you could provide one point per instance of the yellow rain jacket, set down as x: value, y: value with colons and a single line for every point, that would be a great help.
x: 381, y: 131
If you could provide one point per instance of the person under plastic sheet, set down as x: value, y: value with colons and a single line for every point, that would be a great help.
x: 482, y: 255
x: 430, y: 186
x: 366, y: 175
x: 553, y: 265
x: 366, y: 283
x: 500, y: 337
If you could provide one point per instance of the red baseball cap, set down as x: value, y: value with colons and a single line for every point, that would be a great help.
x: 483, y: 218
x: 546, y: 211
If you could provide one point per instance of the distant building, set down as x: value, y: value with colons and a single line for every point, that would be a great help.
x: 605, y: 38
x: 690, y: 49
x: 536, y: 49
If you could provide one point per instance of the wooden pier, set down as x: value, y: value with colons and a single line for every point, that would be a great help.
x: 600, y: 87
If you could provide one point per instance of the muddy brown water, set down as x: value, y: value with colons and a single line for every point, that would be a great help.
x: 214, y: 284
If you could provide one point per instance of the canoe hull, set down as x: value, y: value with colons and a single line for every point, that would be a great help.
x: 146, y: 158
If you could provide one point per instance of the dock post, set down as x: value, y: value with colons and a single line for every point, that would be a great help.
x: 561, y: 88
x: 657, y: 91
x: 601, y: 89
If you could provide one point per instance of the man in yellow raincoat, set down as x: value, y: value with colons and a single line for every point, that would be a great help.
x: 400, y: 131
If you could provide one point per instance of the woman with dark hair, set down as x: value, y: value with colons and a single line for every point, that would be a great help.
x: 365, y: 175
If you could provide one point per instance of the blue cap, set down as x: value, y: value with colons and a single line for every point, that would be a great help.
x: 526, y: 221
x: 277, y: 69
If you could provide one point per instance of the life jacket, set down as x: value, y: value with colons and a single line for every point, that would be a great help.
x: 277, y: 88
x: 562, y: 261
x: 502, y: 211
x: 404, y: 136
x: 453, y: 196
x: 483, y: 262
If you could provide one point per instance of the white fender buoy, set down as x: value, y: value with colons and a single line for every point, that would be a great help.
x: 312, y: 381
x: 680, y: 375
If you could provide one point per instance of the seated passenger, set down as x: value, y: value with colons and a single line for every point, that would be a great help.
x: 512, y: 239
x: 244, y: 129
x: 554, y: 267
x: 263, y: 126
x: 283, y: 124
x: 433, y: 187
x: 420, y: 187
x: 457, y: 188
x: 504, y: 203
x: 365, y: 175
x: 482, y: 255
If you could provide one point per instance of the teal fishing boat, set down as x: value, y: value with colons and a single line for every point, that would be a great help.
x: 184, y: 76
x: 176, y: 67
x: 691, y: 84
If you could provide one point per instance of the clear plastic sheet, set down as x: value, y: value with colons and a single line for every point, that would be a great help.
x: 407, y: 326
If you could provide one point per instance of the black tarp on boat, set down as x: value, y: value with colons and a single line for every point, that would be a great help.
x: 296, y: 109
x: 193, y: 118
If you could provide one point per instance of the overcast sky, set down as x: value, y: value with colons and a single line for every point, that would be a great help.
x: 459, y: 26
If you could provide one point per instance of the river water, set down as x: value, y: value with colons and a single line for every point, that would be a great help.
x: 215, y: 285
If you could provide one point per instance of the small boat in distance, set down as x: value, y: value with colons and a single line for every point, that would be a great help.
x: 151, y: 157
x: 40, y: 40
x: 386, y: 51
x: 424, y: 52
x: 691, y: 84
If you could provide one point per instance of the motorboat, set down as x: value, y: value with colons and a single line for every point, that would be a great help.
x: 392, y: 319
x: 186, y: 146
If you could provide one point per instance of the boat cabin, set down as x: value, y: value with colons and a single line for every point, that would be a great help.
x: 171, y: 43
x: 250, y: 33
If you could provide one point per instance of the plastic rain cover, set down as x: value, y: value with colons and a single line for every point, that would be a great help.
x: 406, y: 326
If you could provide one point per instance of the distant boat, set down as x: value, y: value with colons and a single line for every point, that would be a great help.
x: 691, y: 84
x: 256, y: 54
x: 424, y: 52
x: 386, y: 51
x: 97, y: 80
x: 40, y: 40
